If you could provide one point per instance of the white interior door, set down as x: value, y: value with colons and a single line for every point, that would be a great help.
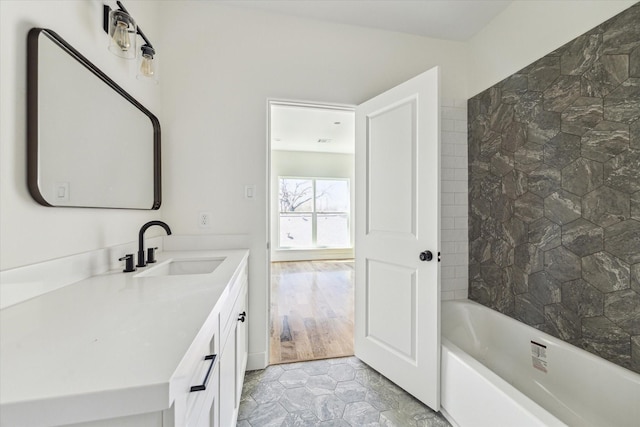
x: 397, y: 296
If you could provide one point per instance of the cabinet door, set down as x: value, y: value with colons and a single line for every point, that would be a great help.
x: 233, y: 360
x: 241, y: 344
x: 228, y: 380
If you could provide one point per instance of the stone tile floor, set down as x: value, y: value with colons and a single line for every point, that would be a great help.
x: 342, y: 392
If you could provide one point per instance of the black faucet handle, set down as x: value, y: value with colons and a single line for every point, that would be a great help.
x: 128, y: 263
x: 151, y: 255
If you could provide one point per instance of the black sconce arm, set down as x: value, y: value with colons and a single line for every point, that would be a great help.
x: 105, y: 22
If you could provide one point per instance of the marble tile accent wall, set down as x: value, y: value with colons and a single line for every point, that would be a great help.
x: 554, y: 192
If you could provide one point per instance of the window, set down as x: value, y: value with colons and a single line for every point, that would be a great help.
x: 314, y: 213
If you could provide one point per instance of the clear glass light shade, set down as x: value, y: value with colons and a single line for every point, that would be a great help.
x: 147, y: 65
x: 122, y: 34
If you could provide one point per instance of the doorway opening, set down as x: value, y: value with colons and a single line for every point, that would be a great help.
x: 311, y: 233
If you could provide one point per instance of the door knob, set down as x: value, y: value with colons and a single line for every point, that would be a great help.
x: 426, y: 256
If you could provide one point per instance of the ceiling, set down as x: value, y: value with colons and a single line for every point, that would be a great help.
x: 316, y: 129
x: 308, y: 128
x: 455, y: 20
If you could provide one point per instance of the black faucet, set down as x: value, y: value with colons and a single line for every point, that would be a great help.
x: 141, y: 261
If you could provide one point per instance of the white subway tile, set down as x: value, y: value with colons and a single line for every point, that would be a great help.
x: 447, y: 102
x: 458, y: 259
x: 455, y: 236
x: 447, y: 295
x: 453, y: 138
x: 462, y: 271
x: 449, y: 162
x: 453, y: 284
x: 460, y: 126
x: 461, y: 198
x: 461, y: 150
x: 448, y: 150
x: 447, y: 224
x: 448, y: 284
x: 455, y: 186
x: 448, y: 125
x: 462, y: 247
x: 448, y: 174
x: 454, y: 113
x: 461, y: 223
x: 454, y: 199
x: 448, y: 272
x: 446, y: 186
x: 461, y: 235
x: 461, y: 103
x: 453, y: 260
x: 461, y: 174
x: 453, y: 211
x: 447, y: 247
x: 456, y: 162
x: 447, y: 199
x: 461, y: 293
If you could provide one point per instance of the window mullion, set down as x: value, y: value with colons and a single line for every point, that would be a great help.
x: 314, y: 218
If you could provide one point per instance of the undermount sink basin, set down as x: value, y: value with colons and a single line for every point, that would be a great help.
x: 177, y: 267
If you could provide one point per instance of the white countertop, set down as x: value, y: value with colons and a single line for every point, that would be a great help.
x: 111, y: 342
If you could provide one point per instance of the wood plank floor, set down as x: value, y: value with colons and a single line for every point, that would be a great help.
x: 311, y: 310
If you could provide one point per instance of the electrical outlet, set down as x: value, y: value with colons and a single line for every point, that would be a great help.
x: 204, y: 219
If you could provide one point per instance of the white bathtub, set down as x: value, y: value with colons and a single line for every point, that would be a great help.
x: 489, y: 378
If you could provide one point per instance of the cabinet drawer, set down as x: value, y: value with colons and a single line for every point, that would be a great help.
x: 203, y: 384
x: 204, y: 412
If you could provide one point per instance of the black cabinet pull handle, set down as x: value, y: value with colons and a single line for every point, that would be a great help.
x: 203, y: 386
x: 241, y: 316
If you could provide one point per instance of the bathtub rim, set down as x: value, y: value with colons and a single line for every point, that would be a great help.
x: 556, y: 341
x: 499, y: 384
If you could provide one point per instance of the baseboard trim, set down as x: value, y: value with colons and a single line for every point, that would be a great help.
x: 256, y: 361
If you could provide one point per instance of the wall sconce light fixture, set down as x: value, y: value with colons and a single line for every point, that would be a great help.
x: 123, y: 31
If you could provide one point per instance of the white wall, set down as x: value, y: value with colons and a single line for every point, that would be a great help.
x: 307, y: 164
x: 225, y: 64
x: 30, y: 232
x: 528, y: 30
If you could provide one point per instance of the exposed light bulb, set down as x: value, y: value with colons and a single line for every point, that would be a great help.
x: 121, y: 35
x: 146, y: 65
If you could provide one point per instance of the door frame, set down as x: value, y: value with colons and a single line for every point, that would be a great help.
x: 308, y: 104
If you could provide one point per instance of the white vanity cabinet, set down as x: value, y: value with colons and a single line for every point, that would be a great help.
x: 233, y: 361
x: 171, y: 349
x: 215, y: 398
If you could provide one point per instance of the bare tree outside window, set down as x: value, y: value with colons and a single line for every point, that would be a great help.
x: 314, y: 212
x: 296, y: 193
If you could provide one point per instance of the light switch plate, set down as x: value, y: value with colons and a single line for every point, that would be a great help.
x: 61, y: 191
x: 249, y: 191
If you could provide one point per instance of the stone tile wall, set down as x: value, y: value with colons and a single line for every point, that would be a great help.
x: 554, y: 192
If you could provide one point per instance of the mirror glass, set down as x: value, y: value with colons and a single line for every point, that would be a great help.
x: 90, y: 144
